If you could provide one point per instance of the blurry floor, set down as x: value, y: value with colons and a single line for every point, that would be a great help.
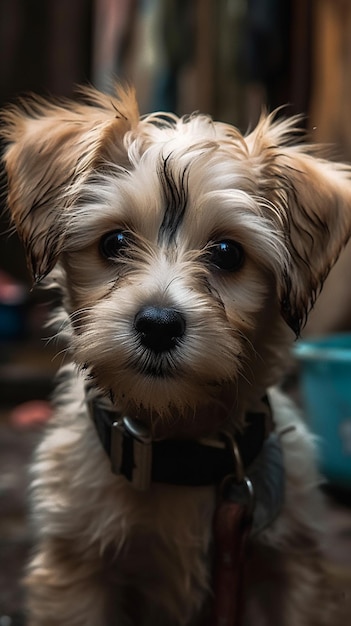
x: 32, y: 380
x: 338, y: 550
x: 26, y: 376
x: 15, y: 452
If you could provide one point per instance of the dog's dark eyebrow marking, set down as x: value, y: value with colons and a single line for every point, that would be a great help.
x: 175, y: 198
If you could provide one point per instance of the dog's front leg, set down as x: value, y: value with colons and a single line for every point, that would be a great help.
x: 65, y: 589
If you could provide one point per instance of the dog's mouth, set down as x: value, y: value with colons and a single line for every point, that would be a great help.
x: 155, y: 366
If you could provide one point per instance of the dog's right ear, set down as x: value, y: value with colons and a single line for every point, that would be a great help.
x: 311, y: 202
x: 51, y: 149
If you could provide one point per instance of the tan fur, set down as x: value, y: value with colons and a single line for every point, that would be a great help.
x: 107, y: 554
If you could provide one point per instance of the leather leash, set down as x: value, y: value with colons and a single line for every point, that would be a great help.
x: 231, y: 528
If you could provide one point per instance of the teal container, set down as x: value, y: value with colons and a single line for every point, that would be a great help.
x: 326, y: 392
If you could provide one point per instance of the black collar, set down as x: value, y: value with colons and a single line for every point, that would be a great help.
x: 177, y: 461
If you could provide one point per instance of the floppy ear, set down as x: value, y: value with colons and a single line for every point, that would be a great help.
x: 311, y: 206
x: 51, y: 151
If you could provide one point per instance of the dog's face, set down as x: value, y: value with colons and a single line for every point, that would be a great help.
x: 184, y: 248
x: 170, y: 273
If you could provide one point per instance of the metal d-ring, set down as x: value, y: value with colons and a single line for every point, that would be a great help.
x: 238, y: 479
x: 239, y: 472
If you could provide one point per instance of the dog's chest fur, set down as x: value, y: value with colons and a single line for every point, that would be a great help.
x: 153, y: 549
x: 154, y: 544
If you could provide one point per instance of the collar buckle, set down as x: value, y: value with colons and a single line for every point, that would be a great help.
x: 131, y: 452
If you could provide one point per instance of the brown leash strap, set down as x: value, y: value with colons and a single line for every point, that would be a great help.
x: 231, y: 528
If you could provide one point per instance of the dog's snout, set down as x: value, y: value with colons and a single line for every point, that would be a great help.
x: 159, y: 328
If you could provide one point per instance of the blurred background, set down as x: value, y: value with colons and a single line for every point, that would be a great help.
x: 228, y: 58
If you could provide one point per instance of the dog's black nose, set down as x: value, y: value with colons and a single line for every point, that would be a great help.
x: 159, y: 328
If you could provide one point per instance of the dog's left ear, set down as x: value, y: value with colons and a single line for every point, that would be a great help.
x: 51, y: 150
x: 310, y: 200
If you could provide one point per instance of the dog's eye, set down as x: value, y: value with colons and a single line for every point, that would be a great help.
x: 227, y: 255
x: 113, y: 244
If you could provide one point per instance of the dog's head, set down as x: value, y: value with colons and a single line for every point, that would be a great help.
x: 185, y: 247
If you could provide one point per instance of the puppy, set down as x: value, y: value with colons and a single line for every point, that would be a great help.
x: 188, y: 257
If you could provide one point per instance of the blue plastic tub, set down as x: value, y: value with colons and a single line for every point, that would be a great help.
x: 326, y: 392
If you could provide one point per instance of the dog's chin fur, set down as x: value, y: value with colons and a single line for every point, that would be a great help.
x: 182, y: 195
